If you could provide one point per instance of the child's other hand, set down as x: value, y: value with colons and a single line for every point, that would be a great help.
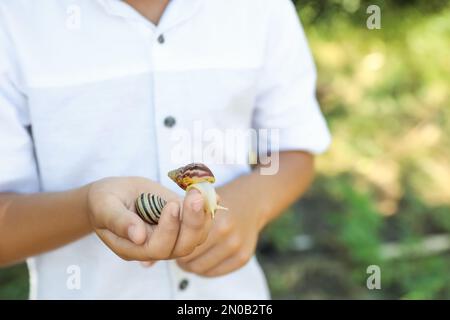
x: 231, y: 242
x: 113, y: 218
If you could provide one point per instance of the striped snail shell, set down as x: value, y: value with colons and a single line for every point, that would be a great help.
x: 149, y: 207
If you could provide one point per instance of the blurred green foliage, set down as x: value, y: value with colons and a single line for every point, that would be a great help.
x: 14, y: 282
x: 382, y: 190
x: 382, y: 194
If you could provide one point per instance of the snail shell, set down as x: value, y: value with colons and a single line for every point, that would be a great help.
x: 191, y: 174
x: 149, y: 207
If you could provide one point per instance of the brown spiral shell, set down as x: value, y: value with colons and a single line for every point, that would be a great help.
x: 191, y: 174
x: 149, y: 207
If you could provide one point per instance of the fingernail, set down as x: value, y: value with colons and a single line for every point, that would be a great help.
x: 197, y: 204
x: 147, y: 264
x: 132, y: 233
x: 175, y: 211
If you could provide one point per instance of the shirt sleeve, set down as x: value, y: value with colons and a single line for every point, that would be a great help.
x: 18, y: 170
x: 286, y: 99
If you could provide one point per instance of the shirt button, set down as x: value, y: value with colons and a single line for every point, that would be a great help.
x: 183, y: 284
x: 169, y: 121
x: 161, y: 39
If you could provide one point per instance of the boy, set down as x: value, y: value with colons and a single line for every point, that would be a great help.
x: 91, y: 95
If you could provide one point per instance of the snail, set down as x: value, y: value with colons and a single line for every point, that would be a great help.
x: 149, y: 207
x: 192, y: 176
x: 198, y: 176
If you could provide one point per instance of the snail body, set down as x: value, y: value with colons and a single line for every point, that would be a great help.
x: 198, y: 176
x: 149, y: 207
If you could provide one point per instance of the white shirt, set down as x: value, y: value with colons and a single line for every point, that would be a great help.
x: 104, y: 94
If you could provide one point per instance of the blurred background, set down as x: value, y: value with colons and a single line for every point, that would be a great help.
x: 382, y: 192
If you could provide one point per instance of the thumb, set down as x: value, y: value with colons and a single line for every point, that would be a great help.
x: 137, y: 231
x: 126, y: 224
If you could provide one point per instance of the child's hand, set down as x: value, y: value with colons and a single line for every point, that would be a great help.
x: 253, y: 201
x: 230, y: 244
x: 113, y: 217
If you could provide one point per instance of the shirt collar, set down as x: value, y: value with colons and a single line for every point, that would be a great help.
x: 177, y: 12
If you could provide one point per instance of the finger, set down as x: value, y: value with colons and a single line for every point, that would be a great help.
x: 147, y: 264
x: 194, y: 226
x: 164, y: 237
x: 220, y: 230
x: 209, y: 243
x: 159, y: 245
x: 123, y: 222
x: 208, y: 260
x: 124, y: 248
x: 231, y: 264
